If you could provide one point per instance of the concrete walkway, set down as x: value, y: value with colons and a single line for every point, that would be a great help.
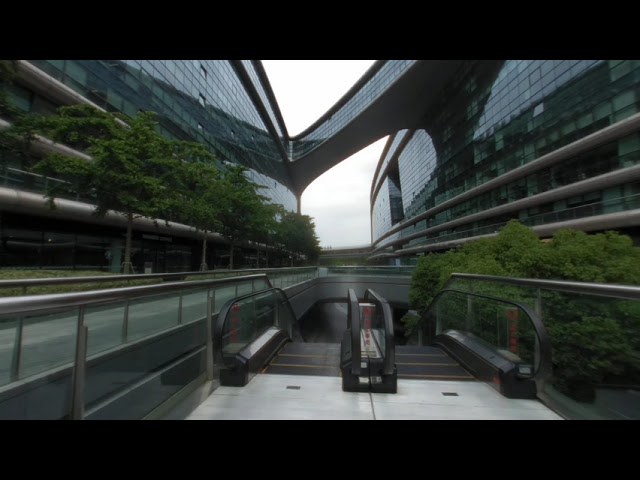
x: 297, y: 397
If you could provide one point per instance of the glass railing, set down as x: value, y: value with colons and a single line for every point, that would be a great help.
x: 280, y: 277
x: 283, y: 278
x: 242, y: 320
x: 615, y: 205
x: 32, y: 182
x: 594, y: 332
x: 368, y: 347
x: 377, y: 326
x: 499, y: 327
x: 39, y: 333
x: 372, y: 336
x: 403, y: 271
x: 351, y: 351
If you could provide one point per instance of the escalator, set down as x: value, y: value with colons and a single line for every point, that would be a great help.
x: 428, y: 363
x: 258, y: 333
x: 471, y: 336
x: 367, y: 350
x: 464, y: 336
x: 316, y: 350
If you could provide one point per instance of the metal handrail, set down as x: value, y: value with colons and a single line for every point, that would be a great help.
x: 34, y: 282
x: 178, y: 276
x: 19, y: 307
x: 353, y: 319
x: 389, y: 343
x: 376, y: 267
x: 601, y: 289
x: 218, y: 329
x: 37, y: 303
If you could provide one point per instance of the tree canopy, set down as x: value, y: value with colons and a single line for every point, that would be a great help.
x: 517, y: 251
x: 593, y: 339
x: 7, y: 74
x: 238, y: 200
x: 137, y: 172
x: 297, y: 235
x: 134, y: 168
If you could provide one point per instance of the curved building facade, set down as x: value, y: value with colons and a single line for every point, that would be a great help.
x: 209, y: 101
x: 225, y: 105
x: 552, y: 143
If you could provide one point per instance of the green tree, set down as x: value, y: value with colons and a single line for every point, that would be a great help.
x: 265, y: 227
x: 238, y: 200
x: 8, y: 71
x: 296, y: 234
x: 195, y: 201
x: 593, y: 339
x: 17, y: 139
x: 588, y: 351
x: 133, y: 166
x: 605, y: 258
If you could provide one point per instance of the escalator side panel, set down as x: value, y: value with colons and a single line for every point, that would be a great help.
x: 243, y: 366
x: 495, y: 370
x: 379, y: 381
x: 350, y: 381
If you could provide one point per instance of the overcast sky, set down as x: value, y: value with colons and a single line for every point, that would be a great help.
x: 338, y: 200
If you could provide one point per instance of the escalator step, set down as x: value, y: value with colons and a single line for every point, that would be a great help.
x: 417, y: 358
x: 418, y: 350
x: 428, y: 363
x: 318, y: 360
x: 311, y: 348
x: 298, y: 358
x: 293, y: 369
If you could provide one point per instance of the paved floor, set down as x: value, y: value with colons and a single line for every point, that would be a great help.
x: 298, y: 397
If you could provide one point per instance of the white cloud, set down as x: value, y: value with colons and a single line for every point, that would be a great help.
x: 339, y: 199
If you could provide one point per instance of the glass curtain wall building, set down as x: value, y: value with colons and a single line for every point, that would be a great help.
x: 226, y: 105
x: 552, y: 143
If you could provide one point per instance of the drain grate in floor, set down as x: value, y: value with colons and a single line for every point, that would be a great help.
x: 293, y: 387
x: 447, y: 394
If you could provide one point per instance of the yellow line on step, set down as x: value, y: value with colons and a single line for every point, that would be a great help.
x: 304, y: 366
x: 304, y: 355
x: 431, y: 364
x: 420, y: 355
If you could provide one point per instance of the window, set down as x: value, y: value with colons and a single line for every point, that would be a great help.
x: 203, y: 71
x: 538, y: 109
x: 202, y: 101
x: 585, y: 199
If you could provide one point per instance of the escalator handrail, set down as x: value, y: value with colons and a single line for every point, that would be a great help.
x: 543, y: 370
x: 224, y: 314
x: 353, y: 320
x: 389, y: 342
